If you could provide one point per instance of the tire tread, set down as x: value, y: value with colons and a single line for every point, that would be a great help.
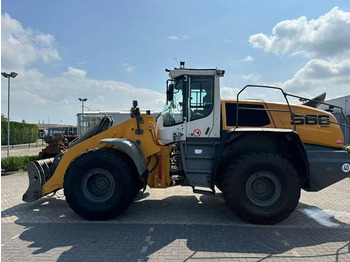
x: 230, y: 197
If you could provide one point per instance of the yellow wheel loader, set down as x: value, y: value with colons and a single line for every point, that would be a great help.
x: 259, y: 154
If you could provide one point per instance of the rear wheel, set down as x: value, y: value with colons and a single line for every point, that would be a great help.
x: 100, y: 184
x: 262, y: 188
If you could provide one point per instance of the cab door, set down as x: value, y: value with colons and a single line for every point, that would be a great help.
x: 200, y: 108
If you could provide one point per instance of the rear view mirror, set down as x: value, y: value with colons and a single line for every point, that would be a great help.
x: 170, y: 92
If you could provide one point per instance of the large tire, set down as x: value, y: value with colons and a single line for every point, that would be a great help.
x: 100, y: 184
x: 262, y: 188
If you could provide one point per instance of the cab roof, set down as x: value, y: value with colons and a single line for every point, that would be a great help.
x: 176, y: 72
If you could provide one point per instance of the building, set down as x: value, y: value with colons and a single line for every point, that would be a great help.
x: 91, y: 118
x: 342, y: 115
x: 56, y: 128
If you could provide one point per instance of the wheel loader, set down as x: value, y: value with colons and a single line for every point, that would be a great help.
x: 259, y: 154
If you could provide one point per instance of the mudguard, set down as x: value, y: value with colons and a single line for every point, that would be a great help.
x: 132, y: 149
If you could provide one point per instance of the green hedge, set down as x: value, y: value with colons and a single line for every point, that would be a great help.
x: 20, y: 133
x: 347, y: 149
x: 16, y: 163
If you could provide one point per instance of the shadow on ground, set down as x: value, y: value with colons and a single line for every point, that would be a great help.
x: 178, y: 227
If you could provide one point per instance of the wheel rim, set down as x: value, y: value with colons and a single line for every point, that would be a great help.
x: 98, y: 185
x: 263, y: 188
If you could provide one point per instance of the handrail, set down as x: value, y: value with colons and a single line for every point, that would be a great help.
x: 285, y: 95
x: 323, y: 103
x: 268, y: 87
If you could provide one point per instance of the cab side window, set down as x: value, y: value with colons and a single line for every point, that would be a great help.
x: 253, y: 115
x: 201, y: 96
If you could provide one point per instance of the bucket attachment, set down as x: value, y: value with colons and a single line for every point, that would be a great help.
x: 38, y: 172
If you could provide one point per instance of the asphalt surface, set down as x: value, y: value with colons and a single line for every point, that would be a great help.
x: 23, y: 149
x: 172, y: 225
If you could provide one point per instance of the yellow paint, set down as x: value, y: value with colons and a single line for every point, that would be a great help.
x: 149, y: 147
x: 153, y: 149
x: 309, y: 134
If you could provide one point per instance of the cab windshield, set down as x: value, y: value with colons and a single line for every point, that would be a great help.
x: 173, y: 111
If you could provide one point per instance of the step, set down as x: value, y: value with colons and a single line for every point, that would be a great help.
x: 204, y: 192
x: 198, y: 157
x: 198, y: 171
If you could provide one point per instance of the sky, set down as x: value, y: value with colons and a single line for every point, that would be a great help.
x: 113, y: 52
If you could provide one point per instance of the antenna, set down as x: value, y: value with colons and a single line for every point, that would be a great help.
x: 176, y: 61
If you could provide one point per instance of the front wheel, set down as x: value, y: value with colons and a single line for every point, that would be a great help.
x: 100, y: 184
x: 262, y: 188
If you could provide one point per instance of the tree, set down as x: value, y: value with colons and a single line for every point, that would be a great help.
x: 3, y: 117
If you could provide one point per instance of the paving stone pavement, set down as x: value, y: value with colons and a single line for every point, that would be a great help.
x: 23, y: 150
x: 172, y: 225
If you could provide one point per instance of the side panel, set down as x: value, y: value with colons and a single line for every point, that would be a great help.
x: 313, y: 125
x: 198, y: 158
x: 327, y: 166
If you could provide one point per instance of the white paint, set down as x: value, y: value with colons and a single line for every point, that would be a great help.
x: 346, y: 168
x: 15, y: 236
x: 277, y: 233
x: 320, y: 216
x: 148, y: 238
x: 285, y: 242
x: 198, y: 151
x: 337, y: 213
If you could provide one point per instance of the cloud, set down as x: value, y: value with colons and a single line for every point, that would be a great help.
x: 35, y: 96
x: 75, y: 73
x: 173, y: 37
x: 251, y: 93
x: 22, y: 46
x: 319, y: 76
x: 228, y: 92
x: 326, y: 36
x: 248, y: 59
x: 128, y: 68
x: 325, y: 41
x: 251, y: 78
x: 20, y: 96
x: 180, y: 37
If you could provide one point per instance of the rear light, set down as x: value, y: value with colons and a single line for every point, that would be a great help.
x: 340, y: 141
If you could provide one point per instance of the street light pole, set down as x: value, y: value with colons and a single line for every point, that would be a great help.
x: 82, y: 100
x: 8, y: 76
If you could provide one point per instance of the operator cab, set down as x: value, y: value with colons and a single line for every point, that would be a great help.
x: 192, y: 108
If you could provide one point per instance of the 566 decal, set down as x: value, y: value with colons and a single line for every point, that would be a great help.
x: 322, y: 120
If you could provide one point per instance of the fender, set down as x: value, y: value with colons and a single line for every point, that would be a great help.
x: 238, y: 141
x: 132, y: 149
